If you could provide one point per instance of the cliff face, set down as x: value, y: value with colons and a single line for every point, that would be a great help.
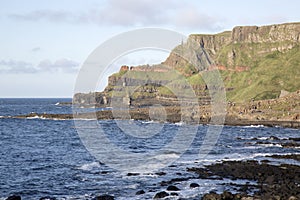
x: 255, y: 63
x: 266, y: 34
x: 235, y: 48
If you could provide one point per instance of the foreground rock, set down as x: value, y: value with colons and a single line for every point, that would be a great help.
x: 104, y: 197
x: 280, y: 182
x: 14, y: 197
x: 161, y: 195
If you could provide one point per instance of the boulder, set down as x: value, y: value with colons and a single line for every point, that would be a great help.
x: 173, y: 188
x: 161, y: 195
x: 14, y: 197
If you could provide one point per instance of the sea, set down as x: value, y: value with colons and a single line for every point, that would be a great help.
x: 51, y: 158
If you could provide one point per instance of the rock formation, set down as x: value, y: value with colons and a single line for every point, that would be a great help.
x: 254, y: 62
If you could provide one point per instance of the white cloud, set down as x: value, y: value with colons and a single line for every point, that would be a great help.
x: 49, y: 15
x: 128, y: 13
x: 63, y: 65
x: 36, y: 49
x: 16, y: 67
x: 21, y: 67
x: 191, y: 17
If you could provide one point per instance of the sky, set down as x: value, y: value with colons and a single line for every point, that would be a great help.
x: 43, y: 44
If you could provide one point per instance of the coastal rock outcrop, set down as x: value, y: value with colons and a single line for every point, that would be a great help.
x: 254, y: 62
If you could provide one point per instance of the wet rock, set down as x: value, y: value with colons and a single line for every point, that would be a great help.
x: 14, y: 197
x: 133, y: 174
x: 140, y: 192
x: 175, y: 180
x: 248, y: 198
x: 104, y: 197
x: 211, y: 196
x: 224, y: 196
x: 194, y: 185
x: 48, y: 198
x: 227, y: 195
x: 295, y: 139
x: 160, y: 173
x: 265, y: 161
x: 273, y: 182
x: 161, y: 195
x: 174, y: 194
x: 273, y: 138
x: 173, y: 188
x: 290, y: 145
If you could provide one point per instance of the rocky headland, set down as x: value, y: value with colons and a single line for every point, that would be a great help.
x: 259, y: 67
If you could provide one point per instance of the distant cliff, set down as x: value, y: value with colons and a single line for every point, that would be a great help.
x: 254, y: 62
x: 244, y: 44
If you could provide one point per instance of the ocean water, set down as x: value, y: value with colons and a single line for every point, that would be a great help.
x: 44, y: 157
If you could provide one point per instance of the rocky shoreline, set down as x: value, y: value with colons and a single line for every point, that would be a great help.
x: 273, y: 181
x: 264, y: 181
x: 173, y: 115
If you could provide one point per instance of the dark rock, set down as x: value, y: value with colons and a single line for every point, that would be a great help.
x: 274, y: 182
x: 173, y: 188
x: 14, y: 197
x: 164, y: 183
x: 212, y: 196
x: 194, y: 185
x: 295, y: 139
x: 265, y: 161
x: 133, y: 174
x: 160, y: 195
x: 174, y: 194
x: 48, y: 198
x: 290, y: 144
x: 227, y: 195
x: 174, y: 180
x: 288, y: 156
x: 273, y: 138
x: 104, y: 197
x: 140, y: 192
x: 160, y: 173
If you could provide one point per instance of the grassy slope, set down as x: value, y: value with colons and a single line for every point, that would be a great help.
x: 268, y: 76
x: 270, y: 72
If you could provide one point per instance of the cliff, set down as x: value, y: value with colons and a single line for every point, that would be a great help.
x: 244, y: 44
x: 255, y: 63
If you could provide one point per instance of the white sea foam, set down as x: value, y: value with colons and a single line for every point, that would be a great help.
x: 57, y: 104
x: 270, y: 145
x: 36, y: 117
x: 149, y: 122
x: 180, y: 123
x: 83, y: 119
x: 254, y: 126
x: 255, y: 138
x: 89, y: 166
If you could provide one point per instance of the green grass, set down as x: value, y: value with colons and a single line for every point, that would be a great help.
x: 270, y: 72
x: 274, y: 72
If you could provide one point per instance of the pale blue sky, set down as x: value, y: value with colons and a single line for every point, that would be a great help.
x: 44, y: 43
